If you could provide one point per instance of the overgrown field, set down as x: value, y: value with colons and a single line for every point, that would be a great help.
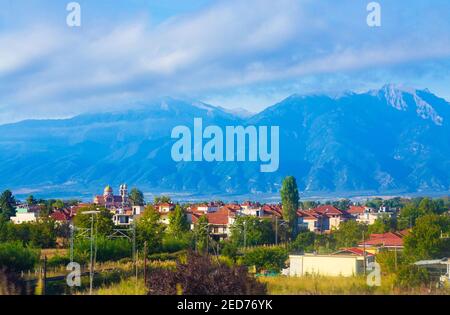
x: 320, y: 285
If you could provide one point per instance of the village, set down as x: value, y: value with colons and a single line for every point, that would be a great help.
x: 228, y: 221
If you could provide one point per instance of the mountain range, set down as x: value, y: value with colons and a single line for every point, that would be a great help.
x: 391, y: 140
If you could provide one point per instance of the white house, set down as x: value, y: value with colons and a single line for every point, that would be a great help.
x: 23, y: 215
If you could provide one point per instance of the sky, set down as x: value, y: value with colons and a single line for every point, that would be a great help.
x: 232, y: 53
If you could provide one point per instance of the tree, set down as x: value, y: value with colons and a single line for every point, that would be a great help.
x: 230, y: 250
x: 254, y: 230
x: 382, y: 225
x: 308, y: 204
x: 411, y: 276
x: 408, y: 216
x: 266, y: 259
x: 31, y: 201
x: 427, y: 206
x: 375, y: 203
x: 162, y: 199
x: 7, y: 204
x: 136, y: 197
x: 324, y: 243
x: 178, y: 223
x: 290, y: 202
x: 200, y: 275
x: 15, y: 257
x: 349, y: 234
x: 342, y: 204
x: 425, y: 240
x: 43, y: 233
x: 201, y: 233
x: 58, y: 204
x: 103, y: 223
x: 150, y: 230
x: 304, y: 242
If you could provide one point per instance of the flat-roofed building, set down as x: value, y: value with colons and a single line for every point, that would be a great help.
x: 345, y: 263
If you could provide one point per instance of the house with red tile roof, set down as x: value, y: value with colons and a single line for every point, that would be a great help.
x: 205, y: 207
x: 252, y: 209
x: 353, y: 251
x: 219, y: 221
x: 272, y: 211
x: 322, y: 218
x: 61, y: 216
x: 389, y: 240
x: 357, y: 210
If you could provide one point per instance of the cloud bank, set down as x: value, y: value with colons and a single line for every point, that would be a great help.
x: 50, y: 70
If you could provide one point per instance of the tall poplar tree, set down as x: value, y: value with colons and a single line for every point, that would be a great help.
x: 290, y: 202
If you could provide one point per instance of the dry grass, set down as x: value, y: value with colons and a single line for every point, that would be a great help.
x: 127, y: 286
x: 320, y: 285
x: 51, y: 252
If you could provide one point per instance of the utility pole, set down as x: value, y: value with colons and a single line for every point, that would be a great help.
x: 395, y: 250
x: 364, y: 252
x: 91, y: 268
x: 207, y: 239
x: 134, y: 247
x: 44, y: 280
x: 92, y: 238
x: 72, y: 227
x: 145, y: 263
x: 245, y: 234
x: 276, y: 230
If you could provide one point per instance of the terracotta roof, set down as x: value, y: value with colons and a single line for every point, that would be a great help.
x: 60, y: 216
x: 308, y: 214
x: 274, y: 210
x: 356, y: 210
x: 353, y: 250
x: 233, y: 207
x: 386, y: 239
x: 220, y: 217
x: 328, y: 210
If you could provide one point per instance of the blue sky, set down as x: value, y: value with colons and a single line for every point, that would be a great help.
x: 232, y: 53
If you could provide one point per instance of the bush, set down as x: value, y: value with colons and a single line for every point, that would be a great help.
x: 171, y: 244
x: 107, y: 249
x: 230, y: 250
x: 166, y: 256
x: 304, y: 242
x: 268, y: 259
x: 200, y: 275
x: 411, y: 276
x: 15, y: 257
x: 387, y: 261
x: 57, y: 261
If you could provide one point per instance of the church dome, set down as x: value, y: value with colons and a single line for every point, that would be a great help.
x: 108, y: 189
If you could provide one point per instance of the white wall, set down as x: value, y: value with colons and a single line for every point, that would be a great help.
x: 324, y: 265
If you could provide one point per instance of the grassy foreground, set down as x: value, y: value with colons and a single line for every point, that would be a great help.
x: 311, y: 285
x: 127, y: 286
x: 320, y: 285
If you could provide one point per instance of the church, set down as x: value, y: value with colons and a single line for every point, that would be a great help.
x: 111, y: 201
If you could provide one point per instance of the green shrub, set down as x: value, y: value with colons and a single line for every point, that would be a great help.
x: 411, y: 276
x: 166, y: 256
x: 57, y: 261
x: 15, y: 257
x: 268, y: 259
x: 107, y: 249
x: 230, y: 250
x: 171, y: 244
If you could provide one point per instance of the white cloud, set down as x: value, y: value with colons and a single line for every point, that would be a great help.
x: 227, y: 45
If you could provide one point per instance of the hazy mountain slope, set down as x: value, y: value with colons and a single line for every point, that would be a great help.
x: 388, y: 140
